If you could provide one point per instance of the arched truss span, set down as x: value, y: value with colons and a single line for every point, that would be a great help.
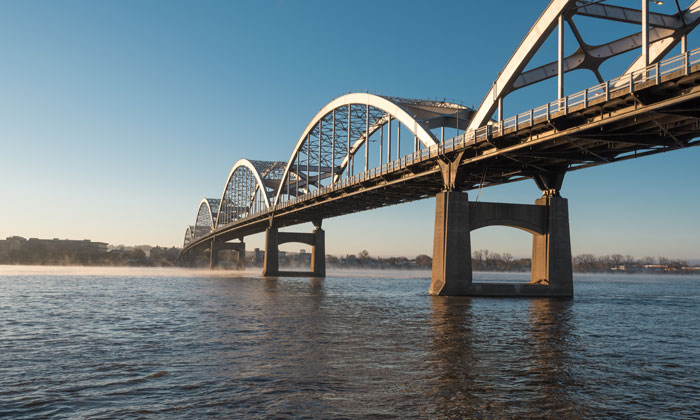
x: 206, y: 217
x: 189, y: 234
x: 327, y: 148
x: 665, y: 32
x: 249, y: 189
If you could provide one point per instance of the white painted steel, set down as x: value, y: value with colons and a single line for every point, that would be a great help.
x: 391, y: 106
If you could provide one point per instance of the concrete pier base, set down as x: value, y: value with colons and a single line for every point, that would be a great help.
x: 213, y: 254
x: 239, y: 248
x: 551, y: 251
x: 318, y: 253
x: 452, y: 264
x: 547, y: 220
x: 216, y: 246
x: 315, y: 239
x: 271, y: 265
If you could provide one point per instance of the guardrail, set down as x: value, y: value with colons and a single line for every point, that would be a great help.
x: 625, y: 82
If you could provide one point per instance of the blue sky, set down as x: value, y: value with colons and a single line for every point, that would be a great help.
x: 117, y: 117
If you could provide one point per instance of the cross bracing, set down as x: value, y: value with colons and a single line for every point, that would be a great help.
x: 661, y: 35
x: 343, y: 138
x: 339, y: 142
x: 189, y: 235
x: 206, y: 217
x: 248, y: 189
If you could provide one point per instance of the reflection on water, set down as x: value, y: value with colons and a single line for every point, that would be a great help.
x: 452, y: 358
x: 177, y: 344
x: 552, y: 357
x: 470, y: 382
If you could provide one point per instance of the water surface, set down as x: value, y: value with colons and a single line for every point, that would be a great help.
x: 154, y: 343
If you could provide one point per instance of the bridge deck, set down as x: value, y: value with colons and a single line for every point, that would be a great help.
x: 655, y: 113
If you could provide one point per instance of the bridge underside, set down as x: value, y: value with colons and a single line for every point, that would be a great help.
x: 651, y: 119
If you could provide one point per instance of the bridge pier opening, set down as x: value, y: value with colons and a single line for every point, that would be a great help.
x: 239, y: 249
x: 215, y: 247
x: 186, y: 259
x: 547, y: 220
x: 316, y: 239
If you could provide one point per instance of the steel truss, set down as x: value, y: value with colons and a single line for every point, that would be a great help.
x: 248, y: 189
x: 663, y: 32
x: 206, y: 217
x: 359, y: 128
x: 613, y: 121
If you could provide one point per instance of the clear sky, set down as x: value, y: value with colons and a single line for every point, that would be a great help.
x: 117, y: 117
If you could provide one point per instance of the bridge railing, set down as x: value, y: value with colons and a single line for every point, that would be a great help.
x: 625, y: 82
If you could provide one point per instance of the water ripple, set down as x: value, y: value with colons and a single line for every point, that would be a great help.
x: 182, y: 344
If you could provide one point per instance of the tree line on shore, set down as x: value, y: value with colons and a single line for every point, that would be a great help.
x: 485, y: 260
x: 74, y: 253
x: 45, y: 252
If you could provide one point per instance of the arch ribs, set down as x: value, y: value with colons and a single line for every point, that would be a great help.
x: 248, y: 189
x: 206, y: 217
x: 665, y: 33
x: 333, y: 140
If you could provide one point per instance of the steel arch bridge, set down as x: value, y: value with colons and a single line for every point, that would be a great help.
x: 334, y: 146
x: 363, y: 151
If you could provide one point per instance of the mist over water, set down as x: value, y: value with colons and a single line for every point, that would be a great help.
x: 173, y: 343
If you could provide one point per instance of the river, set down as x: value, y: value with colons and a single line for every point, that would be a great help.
x: 175, y: 343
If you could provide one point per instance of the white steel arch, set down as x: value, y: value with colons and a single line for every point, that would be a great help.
x: 656, y: 40
x: 248, y: 189
x: 418, y: 116
x: 206, y: 217
x: 189, y: 234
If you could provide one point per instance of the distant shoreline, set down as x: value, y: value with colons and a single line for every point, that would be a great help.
x: 16, y: 250
x: 408, y: 268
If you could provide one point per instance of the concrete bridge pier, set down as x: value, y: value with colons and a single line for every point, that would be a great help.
x: 213, y: 254
x: 271, y: 264
x: 452, y: 263
x: 547, y: 220
x: 551, y: 251
x: 316, y: 239
x: 217, y: 246
x: 186, y: 259
x: 239, y: 248
x: 318, y: 252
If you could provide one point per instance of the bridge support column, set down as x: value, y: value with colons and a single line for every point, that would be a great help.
x: 271, y: 266
x: 239, y: 248
x: 213, y: 254
x: 240, y: 264
x: 317, y: 241
x: 547, y: 220
x: 318, y: 253
x: 191, y: 259
x: 185, y: 259
x: 452, y: 264
x: 551, y: 251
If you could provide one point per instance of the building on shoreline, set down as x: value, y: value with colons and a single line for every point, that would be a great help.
x: 18, y: 250
x: 35, y: 250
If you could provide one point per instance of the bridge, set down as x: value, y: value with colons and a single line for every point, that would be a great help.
x: 363, y: 151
